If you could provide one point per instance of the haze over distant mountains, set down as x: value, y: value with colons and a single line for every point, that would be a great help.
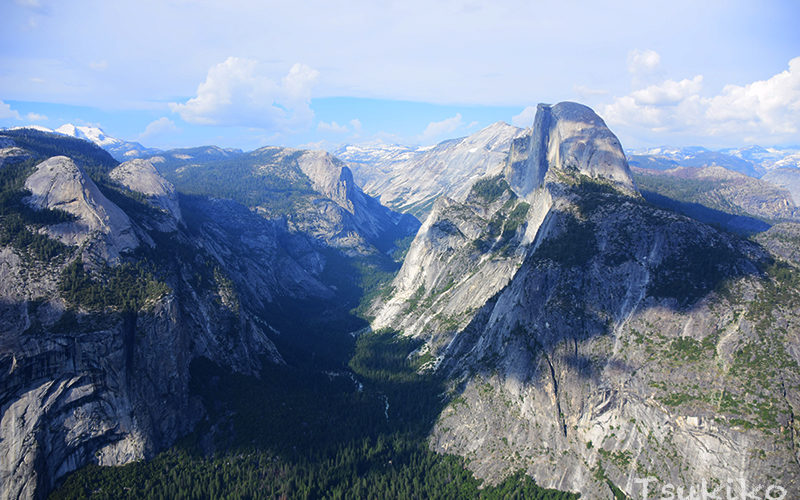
x: 559, y: 312
x: 120, y: 149
x: 376, y: 165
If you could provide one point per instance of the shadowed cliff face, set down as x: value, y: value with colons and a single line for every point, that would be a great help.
x: 95, y: 346
x: 312, y: 191
x: 592, y: 337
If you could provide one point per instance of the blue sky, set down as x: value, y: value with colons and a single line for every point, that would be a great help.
x: 318, y: 73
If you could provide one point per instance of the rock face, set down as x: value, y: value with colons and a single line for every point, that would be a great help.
x: 142, y: 177
x: 312, y: 191
x: 59, y: 183
x: 738, y: 202
x: 109, y: 385
x: 410, y: 180
x: 592, y: 338
x: 787, y: 178
x: 361, y: 216
x: 567, y: 136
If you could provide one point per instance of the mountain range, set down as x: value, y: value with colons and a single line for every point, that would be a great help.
x: 530, y: 312
x: 753, y: 161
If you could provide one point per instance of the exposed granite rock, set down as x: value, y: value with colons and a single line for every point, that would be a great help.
x: 411, y: 180
x: 111, y: 387
x: 591, y: 337
x: 787, y: 178
x: 58, y: 183
x: 142, y: 177
x: 725, y: 190
x: 567, y: 136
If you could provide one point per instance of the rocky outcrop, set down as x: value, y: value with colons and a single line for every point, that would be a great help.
x: 567, y: 136
x: 311, y: 190
x: 59, y: 183
x: 592, y: 339
x: 787, y: 178
x: 411, y: 180
x: 363, y: 217
x: 724, y: 190
x: 110, y: 385
x: 142, y: 177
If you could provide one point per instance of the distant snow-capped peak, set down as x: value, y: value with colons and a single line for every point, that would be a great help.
x: 33, y: 127
x: 92, y: 134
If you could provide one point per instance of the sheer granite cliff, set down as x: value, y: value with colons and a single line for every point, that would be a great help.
x: 593, y: 339
x: 312, y: 191
x: 95, y: 346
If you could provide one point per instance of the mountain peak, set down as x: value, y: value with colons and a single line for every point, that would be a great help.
x: 567, y: 136
x: 91, y: 134
x: 59, y: 183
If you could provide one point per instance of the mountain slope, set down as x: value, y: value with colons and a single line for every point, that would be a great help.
x: 592, y: 338
x: 752, y: 161
x: 716, y: 195
x: 313, y: 191
x: 96, y: 347
x: 120, y: 149
x: 409, y: 180
x: 58, y: 183
x: 787, y: 178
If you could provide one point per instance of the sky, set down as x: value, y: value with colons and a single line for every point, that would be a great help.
x: 316, y: 73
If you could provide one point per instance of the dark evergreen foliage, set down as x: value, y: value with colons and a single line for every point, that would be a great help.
x: 297, y: 434
x: 126, y: 287
x: 19, y: 222
x: 46, y: 145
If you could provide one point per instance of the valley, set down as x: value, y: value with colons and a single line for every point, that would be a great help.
x: 519, y: 313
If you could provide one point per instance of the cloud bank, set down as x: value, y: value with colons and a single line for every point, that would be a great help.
x: 761, y: 111
x: 236, y: 92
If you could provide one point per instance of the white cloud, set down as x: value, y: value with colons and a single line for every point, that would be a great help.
x: 435, y: 130
x: 643, y: 61
x: 158, y: 127
x: 356, y: 124
x: 773, y: 104
x: 35, y: 117
x: 765, y: 110
x: 332, y: 127
x: 525, y: 118
x: 7, y: 112
x: 237, y: 93
x: 669, y: 92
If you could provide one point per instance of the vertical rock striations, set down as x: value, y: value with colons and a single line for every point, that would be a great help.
x: 592, y: 339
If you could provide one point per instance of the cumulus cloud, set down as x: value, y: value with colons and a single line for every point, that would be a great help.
x: 643, y: 61
x: 158, y: 127
x: 237, y: 93
x: 525, y: 118
x: 435, y: 130
x: 35, y: 117
x: 332, y: 127
x: 669, y: 92
x: 6, y: 112
x: 356, y: 124
x: 766, y: 110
